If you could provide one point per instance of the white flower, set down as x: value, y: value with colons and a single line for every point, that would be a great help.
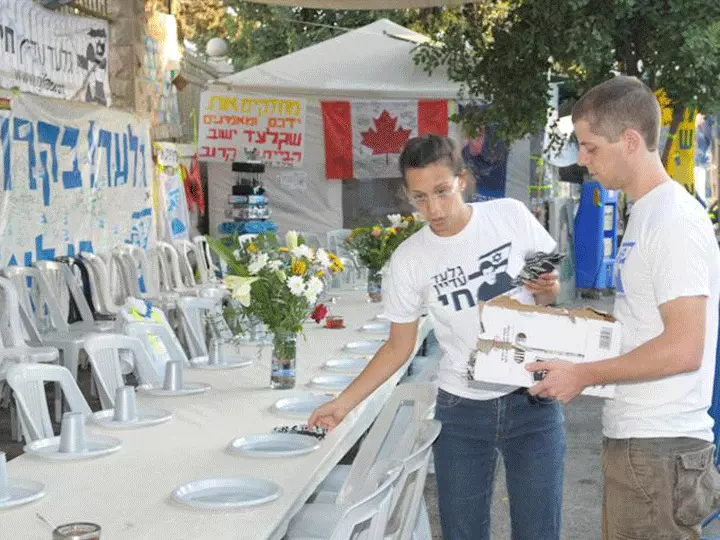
x: 315, y: 285
x: 323, y: 258
x: 237, y: 254
x: 302, y: 251
x: 258, y: 263
x: 240, y: 287
x: 296, y: 285
x: 311, y: 297
x: 242, y: 294
x: 396, y: 220
x: 291, y: 239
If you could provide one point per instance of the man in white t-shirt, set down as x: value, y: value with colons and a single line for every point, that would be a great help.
x: 468, y: 253
x: 658, y: 447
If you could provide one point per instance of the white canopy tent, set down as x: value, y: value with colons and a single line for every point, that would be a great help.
x: 372, y: 62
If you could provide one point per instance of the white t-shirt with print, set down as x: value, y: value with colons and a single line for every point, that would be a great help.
x: 668, y: 251
x: 448, y: 275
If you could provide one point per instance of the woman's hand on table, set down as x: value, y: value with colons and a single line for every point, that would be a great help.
x: 328, y: 415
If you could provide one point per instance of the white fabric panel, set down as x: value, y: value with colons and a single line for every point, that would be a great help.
x: 374, y: 61
x: 299, y: 198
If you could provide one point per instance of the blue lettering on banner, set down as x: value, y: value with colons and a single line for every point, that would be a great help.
x: 140, y: 231
x: 115, y: 145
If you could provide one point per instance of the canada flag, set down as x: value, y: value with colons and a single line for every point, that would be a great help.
x: 363, y: 139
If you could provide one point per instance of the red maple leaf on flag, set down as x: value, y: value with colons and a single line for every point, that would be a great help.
x: 386, y: 138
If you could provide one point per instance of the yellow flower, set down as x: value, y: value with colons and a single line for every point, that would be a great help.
x: 252, y: 248
x: 298, y: 267
x: 320, y: 273
x: 283, y: 249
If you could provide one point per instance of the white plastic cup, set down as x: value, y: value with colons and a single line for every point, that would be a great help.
x: 173, y: 375
x: 125, y: 410
x: 72, y: 433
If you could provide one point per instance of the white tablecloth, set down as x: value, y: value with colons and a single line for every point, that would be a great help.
x: 128, y: 493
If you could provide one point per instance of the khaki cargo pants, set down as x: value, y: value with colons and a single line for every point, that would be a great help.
x: 656, y: 489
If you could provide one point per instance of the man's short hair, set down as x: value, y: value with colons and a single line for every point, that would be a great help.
x: 425, y: 150
x: 618, y: 104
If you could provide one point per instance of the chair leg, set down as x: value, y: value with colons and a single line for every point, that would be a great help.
x: 69, y: 358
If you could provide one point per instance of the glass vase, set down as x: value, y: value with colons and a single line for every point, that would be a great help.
x: 282, y: 373
x: 374, y: 285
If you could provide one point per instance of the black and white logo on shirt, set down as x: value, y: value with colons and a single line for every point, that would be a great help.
x: 487, y: 280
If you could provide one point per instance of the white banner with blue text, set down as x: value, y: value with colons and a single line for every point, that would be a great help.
x: 73, y: 177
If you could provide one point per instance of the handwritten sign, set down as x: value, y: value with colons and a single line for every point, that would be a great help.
x: 53, y: 55
x: 234, y: 127
x: 73, y: 178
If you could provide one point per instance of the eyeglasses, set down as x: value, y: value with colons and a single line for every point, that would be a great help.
x: 439, y: 194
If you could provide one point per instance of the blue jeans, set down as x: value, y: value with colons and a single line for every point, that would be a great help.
x: 529, y: 434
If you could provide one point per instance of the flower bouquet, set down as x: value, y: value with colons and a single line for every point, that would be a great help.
x: 278, y: 285
x: 373, y: 246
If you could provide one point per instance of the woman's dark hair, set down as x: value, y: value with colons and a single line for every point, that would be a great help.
x: 425, y: 150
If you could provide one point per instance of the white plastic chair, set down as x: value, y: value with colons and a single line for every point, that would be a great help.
x: 386, y: 440
x: 190, y: 260
x: 192, y: 317
x: 406, y: 501
x: 203, y: 249
x: 108, y: 365
x: 369, y: 515
x: 28, y: 384
x: 50, y: 327
x: 64, y: 287
x: 175, y: 274
x: 169, y: 348
x: 311, y: 239
x: 151, y: 276
x: 102, y: 290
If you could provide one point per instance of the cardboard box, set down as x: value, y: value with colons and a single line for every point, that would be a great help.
x: 513, y: 335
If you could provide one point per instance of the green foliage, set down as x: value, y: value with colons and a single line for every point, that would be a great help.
x: 374, y: 246
x: 505, y: 52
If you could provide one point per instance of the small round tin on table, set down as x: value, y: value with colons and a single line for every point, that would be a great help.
x: 77, y: 531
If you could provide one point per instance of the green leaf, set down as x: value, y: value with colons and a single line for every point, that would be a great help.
x: 226, y: 254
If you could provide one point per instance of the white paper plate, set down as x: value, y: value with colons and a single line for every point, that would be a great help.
x: 300, y: 406
x: 22, y: 492
x: 331, y: 382
x: 346, y: 365
x: 201, y: 362
x: 274, y: 445
x: 226, y: 493
x: 364, y: 347
x: 145, y: 417
x: 97, y: 445
x: 188, y: 389
x: 379, y: 327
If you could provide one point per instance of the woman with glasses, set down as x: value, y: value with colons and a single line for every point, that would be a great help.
x: 468, y: 253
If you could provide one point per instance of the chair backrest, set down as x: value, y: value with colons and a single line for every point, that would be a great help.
x: 107, y: 363
x: 161, y: 269
x: 161, y: 344
x: 391, y: 436
x: 150, y: 275
x: 203, y: 249
x: 100, y: 278
x: 11, y: 329
x: 188, y: 256
x: 173, y: 262
x: 192, y: 318
x: 336, y: 241
x: 36, y: 298
x: 409, y: 492
x: 28, y: 384
x: 66, y: 289
x: 128, y: 270
x: 370, y: 514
